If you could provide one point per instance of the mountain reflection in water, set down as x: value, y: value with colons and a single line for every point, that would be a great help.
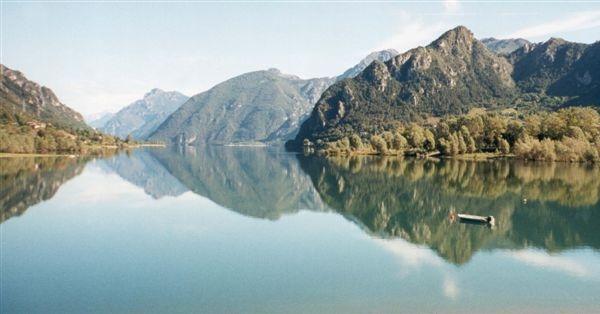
x: 547, y: 205
x: 26, y: 181
x: 551, y: 206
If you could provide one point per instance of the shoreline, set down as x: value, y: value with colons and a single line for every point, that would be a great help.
x: 90, y: 149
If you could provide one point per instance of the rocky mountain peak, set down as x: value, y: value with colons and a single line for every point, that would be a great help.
x: 383, y: 56
x: 377, y: 73
x: 457, y: 37
x: 154, y: 92
x: 555, y: 41
x: 141, y: 117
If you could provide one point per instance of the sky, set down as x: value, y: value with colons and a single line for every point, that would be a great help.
x: 103, y: 55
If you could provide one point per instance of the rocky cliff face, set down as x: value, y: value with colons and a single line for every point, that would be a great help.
x: 143, y: 116
x: 538, y: 66
x: 582, y: 81
x: 20, y: 95
x: 451, y: 75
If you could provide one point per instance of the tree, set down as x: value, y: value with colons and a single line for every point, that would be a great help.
x: 379, y: 144
x: 533, y: 125
x: 443, y: 130
x: 388, y: 137
x: 554, y: 126
x: 355, y: 142
x: 514, y: 131
x: 415, y: 135
x: 462, y: 145
x: 504, y: 146
x: 399, y: 142
x: 429, y: 143
x: 470, y: 142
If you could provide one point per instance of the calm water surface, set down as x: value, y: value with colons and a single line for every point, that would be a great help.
x: 253, y: 230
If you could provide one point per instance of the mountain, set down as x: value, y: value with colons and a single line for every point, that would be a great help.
x: 32, y: 101
x: 256, y: 106
x: 383, y: 56
x: 143, y: 116
x: 262, y: 106
x: 98, y: 120
x: 452, y: 75
x: 582, y: 81
x: 504, y: 46
x: 538, y: 66
x: 143, y: 170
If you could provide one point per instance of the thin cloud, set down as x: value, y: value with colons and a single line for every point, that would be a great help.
x: 573, y: 22
x: 408, y: 254
x: 554, y: 262
x: 411, y: 33
x: 451, y: 6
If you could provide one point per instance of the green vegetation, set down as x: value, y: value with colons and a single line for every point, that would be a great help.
x: 19, y: 133
x: 571, y: 134
x: 33, y: 120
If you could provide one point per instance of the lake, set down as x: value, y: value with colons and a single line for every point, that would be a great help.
x: 259, y: 230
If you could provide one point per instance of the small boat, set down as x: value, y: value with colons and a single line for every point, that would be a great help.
x: 477, y: 219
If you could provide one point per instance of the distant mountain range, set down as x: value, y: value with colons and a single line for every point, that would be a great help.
x: 453, y: 75
x: 143, y: 116
x: 504, y: 46
x: 98, y: 120
x: 263, y: 106
x: 383, y: 55
x: 35, y: 102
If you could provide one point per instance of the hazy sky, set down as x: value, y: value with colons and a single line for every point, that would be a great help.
x: 102, y: 55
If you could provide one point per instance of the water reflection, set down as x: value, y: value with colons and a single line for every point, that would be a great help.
x: 27, y: 181
x: 164, y: 220
x: 142, y: 169
x: 550, y: 206
x: 252, y: 181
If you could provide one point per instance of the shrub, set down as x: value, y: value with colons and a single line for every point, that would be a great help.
x: 504, y: 146
x: 355, y: 142
x: 379, y: 144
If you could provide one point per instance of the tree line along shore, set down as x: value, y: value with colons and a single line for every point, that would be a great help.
x: 570, y: 135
